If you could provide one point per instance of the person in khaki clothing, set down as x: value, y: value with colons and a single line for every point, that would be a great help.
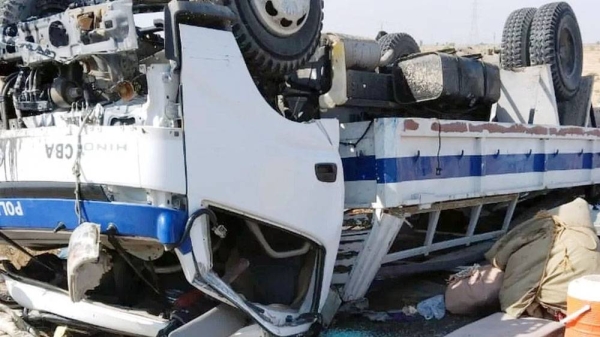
x: 541, y: 256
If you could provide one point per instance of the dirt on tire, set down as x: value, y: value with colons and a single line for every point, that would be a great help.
x: 556, y: 41
x: 515, y: 39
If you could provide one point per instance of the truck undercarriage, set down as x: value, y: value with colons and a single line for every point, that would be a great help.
x: 194, y: 173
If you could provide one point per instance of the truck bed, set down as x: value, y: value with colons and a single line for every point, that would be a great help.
x: 405, y: 161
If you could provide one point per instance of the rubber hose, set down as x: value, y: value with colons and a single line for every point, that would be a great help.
x: 190, y: 223
x: 4, y: 106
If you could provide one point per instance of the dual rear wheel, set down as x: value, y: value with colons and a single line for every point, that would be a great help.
x: 277, y: 36
x: 547, y: 35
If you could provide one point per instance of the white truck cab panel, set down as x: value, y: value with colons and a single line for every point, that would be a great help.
x: 266, y: 169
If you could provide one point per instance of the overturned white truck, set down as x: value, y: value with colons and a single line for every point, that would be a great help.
x: 229, y: 171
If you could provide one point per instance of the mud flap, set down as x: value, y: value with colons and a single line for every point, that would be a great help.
x: 85, y: 263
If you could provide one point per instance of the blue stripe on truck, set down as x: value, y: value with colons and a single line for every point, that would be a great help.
x: 396, y: 170
x: 134, y: 220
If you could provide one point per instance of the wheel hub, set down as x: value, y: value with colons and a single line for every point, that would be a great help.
x: 282, y: 17
x: 566, y: 51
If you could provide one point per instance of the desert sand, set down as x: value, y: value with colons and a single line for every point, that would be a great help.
x: 591, y: 66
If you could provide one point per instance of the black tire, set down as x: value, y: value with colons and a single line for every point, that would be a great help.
x: 380, y: 35
x: 515, y: 39
x: 268, y: 54
x: 400, y: 43
x: 556, y: 41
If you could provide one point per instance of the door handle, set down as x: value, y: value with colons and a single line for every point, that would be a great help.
x: 326, y: 172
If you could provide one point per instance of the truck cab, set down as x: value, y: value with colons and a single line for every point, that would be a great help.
x: 147, y: 155
x: 229, y: 169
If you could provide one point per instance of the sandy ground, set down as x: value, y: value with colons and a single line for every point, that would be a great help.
x: 16, y: 257
x: 394, y: 295
x: 591, y: 66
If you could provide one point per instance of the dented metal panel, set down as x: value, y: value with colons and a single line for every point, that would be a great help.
x: 423, y: 161
x: 39, y: 296
x: 85, y: 263
x: 351, y: 244
x: 384, y: 231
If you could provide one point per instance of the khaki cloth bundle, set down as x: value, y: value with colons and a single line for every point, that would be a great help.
x: 541, y: 256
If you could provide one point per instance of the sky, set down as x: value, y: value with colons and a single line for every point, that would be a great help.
x: 443, y: 21
x: 439, y: 21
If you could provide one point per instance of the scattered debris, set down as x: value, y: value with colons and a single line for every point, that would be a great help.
x: 432, y: 307
x: 406, y: 314
x: 376, y: 316
x: 61, y: 331
x: 12, y: 325
x: 464, y: 272
x: 474, y: 290
x: 355, y: 307
x: 360, y: 308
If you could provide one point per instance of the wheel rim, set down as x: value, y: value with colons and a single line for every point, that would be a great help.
x: 282, y: 17
x: 566, y: 51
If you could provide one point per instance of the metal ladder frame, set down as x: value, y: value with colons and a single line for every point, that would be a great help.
x: 373, y: 250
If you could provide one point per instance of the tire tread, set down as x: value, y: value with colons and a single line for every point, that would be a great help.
x: 401, y: 43
x: 543, y: 48
x: 515, y: 39
x: 261, y: 61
